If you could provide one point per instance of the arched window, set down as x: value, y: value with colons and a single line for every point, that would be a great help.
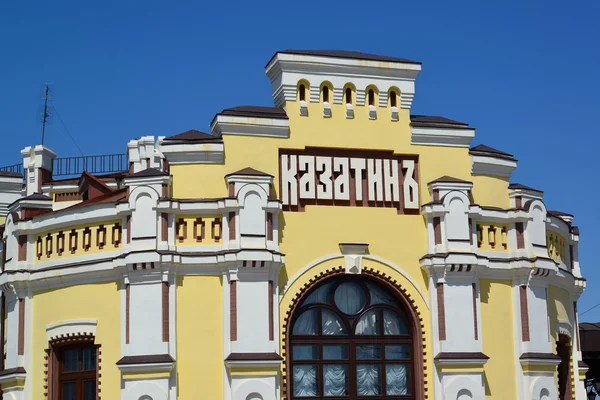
x: 350, y: 338
x: 393, y: 101
x: 325, y: 94
x: 371, y: 97
x: 348, y: 96
x: 302, y: 92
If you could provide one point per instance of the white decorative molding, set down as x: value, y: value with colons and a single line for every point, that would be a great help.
x: 252, y: 126
x: 394, y: 114
x: 326, y: 110
x: 565, y: 328
x: 202, y: 153
x: 488, y: 165
x: 303, y: 108
x: 353, y: 256
x: 372, y: 112
x: 286, y: 70
x: 433, y: 136
x: 349, y: 111
x: 147, y: 367
x: 72, y: 327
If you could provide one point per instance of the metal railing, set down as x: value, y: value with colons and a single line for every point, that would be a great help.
x: 18, y: 168
x: 93, y: 164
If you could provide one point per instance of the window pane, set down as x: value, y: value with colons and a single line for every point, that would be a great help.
x: 349, y: 297
x: 367, y: 324
x: 393, y: 324
x: 335, y: 377
x: 89, y: 390
x: 368, y: 352
x: 318, y: 296
x: 68, y: 391
x: 396, y: 379
x: 70, y: 360
x: 381, y: 296
x: 335, y: 352
x: 88, y: 362
x: 397, y: 351
x: 305, y: 352
x: 367, y: 380
x: 306, y: 324
x: 332, y: 324
x: 305, y: 380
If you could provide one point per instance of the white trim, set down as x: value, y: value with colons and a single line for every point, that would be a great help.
x: 147, y: 367
x: 252, y: 126
x: 202, y: 153
x: 487, y: 165
x: 72, y: 327
x: 462, y: 361
x: 307, y: 267
x: 441, y: 136
x: 254, y: 363
x: 538, y: 361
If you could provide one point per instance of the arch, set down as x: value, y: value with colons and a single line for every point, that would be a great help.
x: 464, y: 394
x: 537, y: 216
x: 393, y: 96
x: 349, y: 87
x: 250, y: 188
x: 326, y: 92
x: 370, y: 257
x: 139, y: 191
x: 302, y: 82
x: 334, y: 279
x: 145, y: 390
x: 544, y: 386
x: 457, y: 218
x: 372, y: 95
x: 255, y: 389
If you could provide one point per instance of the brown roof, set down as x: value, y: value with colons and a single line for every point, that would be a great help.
x: 146, y: 359
x: 193, y: 136
x: 539, y: 356
x: 10, y: 371
x: 111, y: 197
x: 254, y: 357
x: 461, y: 355
x: 482, y: 149
x: 256, y: 111
x: 345, y: 54
x: 148, y: 172
x: 435, y: 121
x: 87, y: 176
x: 115, y: 176
x: 11, y: 174
x: 451, y: 179
x: 560, y: 213
x: 249, y: 171
x: 523, y: 187
x: 36, y: 196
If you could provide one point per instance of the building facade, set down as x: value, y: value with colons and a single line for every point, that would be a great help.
x: 333, y: 246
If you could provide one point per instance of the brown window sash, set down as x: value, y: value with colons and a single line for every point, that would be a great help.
x: 21, y: 338
x: 270, y: 299
x: 127, y: 305
x: 475, y: 311
x: 165, y: 311
x: 437, y: 230
x: 441, y: 312
x: 524, y: 313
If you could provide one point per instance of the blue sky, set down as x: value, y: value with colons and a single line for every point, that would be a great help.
x: 525, y: 74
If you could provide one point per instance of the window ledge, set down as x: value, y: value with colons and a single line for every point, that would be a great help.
x: 372, y: 112
x: 146, y: 363
x: 394, y: 114
x: 474, y: 359
x: 349, y: 111
x: 253, y: 360
x: 12, y: 377
x: 303, y: 108
x: 326, y: 110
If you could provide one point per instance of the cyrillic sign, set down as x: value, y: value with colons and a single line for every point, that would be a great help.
x: 348, y: 178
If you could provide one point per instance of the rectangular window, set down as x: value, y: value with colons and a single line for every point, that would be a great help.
x: 77, y: 372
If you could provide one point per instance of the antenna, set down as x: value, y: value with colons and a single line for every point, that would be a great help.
x: 45, y: 117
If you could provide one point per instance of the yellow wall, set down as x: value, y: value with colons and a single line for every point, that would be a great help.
x: 199, y: 337
x: 80, y: 302
x: 490, y: 191
x: 498, y: 338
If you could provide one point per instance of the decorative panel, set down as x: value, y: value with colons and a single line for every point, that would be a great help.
x: 556, y: 247
x: 198, y: 230
x: 492, y: 237
x: 78, y: 240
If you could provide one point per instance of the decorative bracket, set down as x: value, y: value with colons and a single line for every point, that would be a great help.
x: 353, y: 256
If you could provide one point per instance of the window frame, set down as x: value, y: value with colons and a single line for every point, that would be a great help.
x: 351, y: 340
x: 56, y: 374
